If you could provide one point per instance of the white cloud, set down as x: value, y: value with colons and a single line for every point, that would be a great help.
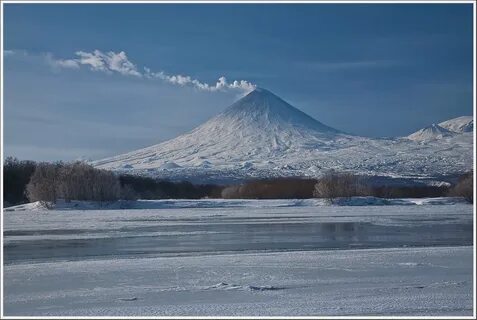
x: 108, y: 62
x: 221, y: 85
x: 93, y: 60
x: 18, y: 53
x: 59, y: 63
x: 68, y: 64
x: 48, y: 57
x: 112, y: 62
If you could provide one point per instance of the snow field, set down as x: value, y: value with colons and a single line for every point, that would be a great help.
x: 410, y: 281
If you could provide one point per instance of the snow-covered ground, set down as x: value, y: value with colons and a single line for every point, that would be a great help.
x: 411, y: 281
x: 252, y: 258
x: 230, y: 203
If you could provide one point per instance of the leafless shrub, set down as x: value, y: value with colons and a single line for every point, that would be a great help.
x: 334, y: 185
x: 74, y: 181
x: 278, y: 188
x: 464, y: 187
x: 128, y: 193
x: 231, y: 192
x: 43, y: 183
x: 106, y: 186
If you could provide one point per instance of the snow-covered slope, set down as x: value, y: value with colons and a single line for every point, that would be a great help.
x: 432, y: 132
x: 259, y: 126
x: 460, y: 124
x: 261, y: 135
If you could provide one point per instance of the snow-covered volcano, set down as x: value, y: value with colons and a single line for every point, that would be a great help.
x: 432, y: 132
x: 258, y: 127
x: 459, y: 125
x: 261, y: 135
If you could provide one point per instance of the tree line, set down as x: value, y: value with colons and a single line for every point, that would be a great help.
x: 26, y: 181
x: 342, y: 185
x: 330, y: 186
x: 16, y: 175
x: 72, y: 181
x: 29, y: 181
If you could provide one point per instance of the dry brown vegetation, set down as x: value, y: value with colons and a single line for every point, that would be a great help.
x: 344, y: 185
x: 464, y: 187
x: 280, y: 188
x: 332, y: 185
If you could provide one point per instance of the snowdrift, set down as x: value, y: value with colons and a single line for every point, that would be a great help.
x: 232, y: 203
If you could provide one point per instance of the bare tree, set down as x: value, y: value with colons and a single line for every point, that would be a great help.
x: 128, y: 193
x: 106, y: 186
x: 334, y: 185
x: 74, y: 181
x: 77, y: 180
x: 43, y: 183
x: 231, y: 192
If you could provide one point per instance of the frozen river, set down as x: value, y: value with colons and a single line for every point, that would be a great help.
x: 250, y: 259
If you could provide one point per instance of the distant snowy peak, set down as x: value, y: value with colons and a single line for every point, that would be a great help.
x: 444, y: 129
x: 459, y: 125
x: 261, y: 107
x: 432, y: 132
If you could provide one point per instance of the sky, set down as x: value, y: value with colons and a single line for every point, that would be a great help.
x: 87, y: 81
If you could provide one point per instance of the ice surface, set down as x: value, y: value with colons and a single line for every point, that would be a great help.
x: 240, y: 258
x: 257, y: 226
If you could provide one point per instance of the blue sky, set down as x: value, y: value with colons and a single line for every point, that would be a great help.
x: 369, y: 69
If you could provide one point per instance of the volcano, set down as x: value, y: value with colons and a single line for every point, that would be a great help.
x: 260, y: 126
x: 261, y: 135
x: 432, y: 132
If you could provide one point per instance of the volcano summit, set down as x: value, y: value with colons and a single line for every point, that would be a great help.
x: 261, y: 135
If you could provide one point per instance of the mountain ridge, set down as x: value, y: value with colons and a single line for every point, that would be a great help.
x: 261, y: 135
x: 460, y: 124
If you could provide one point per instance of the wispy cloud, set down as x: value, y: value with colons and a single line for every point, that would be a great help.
x: 119, y: 63
x: 58, y: 63
x: 221, y: 84
x: 7, y: 53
